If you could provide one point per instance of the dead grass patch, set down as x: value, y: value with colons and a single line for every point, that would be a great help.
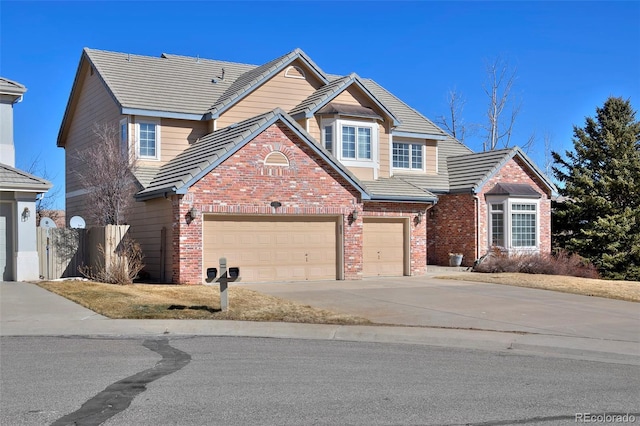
x: 145, y: 301
x: 622, y: 290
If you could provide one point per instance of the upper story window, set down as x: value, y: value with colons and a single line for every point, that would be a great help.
x: 356, y: 142
x: 408, y: 156
x: 353, y: 142
x: 148, y: 139
x: 327, y: 138
x: 124, y: 136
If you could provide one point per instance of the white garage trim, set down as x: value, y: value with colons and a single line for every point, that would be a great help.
x: 385, y: 246
x: 275, y: 248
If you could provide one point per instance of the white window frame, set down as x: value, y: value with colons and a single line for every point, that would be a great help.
x: 337, y: 124
x: 324, y: 139
x: 422, y: 146
x: 508, y: 212
x: 124, y: 141
x: 155, y: 122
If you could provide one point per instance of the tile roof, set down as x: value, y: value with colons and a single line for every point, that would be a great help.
x: 169, y: 83
x: 251, y: 79
x: 349, y: 110
x: 514, y: 190
x: 12, y: 179
x: 11, y: 87
x: 211, y: 150
x: 395, y: 189
x: 174, y: 84
x: 325, y: 94
x: 411, y: 121
x: 470, y: 172
x: 320, y: 96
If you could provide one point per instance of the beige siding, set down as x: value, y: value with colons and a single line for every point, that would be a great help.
x: 279, y: 91
x: 385, y: 170
x: 430, y: 158
x: 362, y: 173
x: 314, y: 128
x: 175, y: 137
x: 146, y: 228
x: 349, y: 97
x: 92, y: 104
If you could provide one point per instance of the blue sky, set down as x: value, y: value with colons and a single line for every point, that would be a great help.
x: 570, y: 56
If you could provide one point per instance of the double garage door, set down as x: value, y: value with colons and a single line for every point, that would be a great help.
x: 298, y: 248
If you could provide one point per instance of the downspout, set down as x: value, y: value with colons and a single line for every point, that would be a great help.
x: 477, y: 200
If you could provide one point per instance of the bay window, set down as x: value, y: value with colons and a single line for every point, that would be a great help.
x: 513, y: 224
x: 353, y: 142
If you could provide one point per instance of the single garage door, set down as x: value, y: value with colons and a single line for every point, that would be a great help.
x: 384, y: 247
x: 285, y: 248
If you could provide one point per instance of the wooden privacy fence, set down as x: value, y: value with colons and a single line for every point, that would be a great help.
x: 62, y: 250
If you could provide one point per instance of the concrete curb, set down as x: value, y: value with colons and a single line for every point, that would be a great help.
x: 558, y: 346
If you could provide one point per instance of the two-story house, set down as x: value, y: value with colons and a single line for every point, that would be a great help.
x: 292, y: 173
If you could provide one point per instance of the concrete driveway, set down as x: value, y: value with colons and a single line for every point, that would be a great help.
x: 427, y: 301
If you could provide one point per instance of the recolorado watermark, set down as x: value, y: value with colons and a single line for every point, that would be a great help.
x: 605, y: 418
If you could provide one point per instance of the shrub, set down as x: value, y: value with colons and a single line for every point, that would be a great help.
x: 119, y: 269
x: 560, y: 263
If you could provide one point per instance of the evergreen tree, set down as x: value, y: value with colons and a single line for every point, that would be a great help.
x: 600, y: 183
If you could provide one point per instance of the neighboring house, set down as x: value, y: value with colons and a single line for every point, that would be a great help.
x: 18, y: 193
x: 292, y: 173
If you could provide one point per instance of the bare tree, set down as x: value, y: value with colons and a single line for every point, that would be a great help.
x: 454, y: 123
x: 107, y: 174
x: 502, y: 110
x: 548, y: 158
x: 45, y: 205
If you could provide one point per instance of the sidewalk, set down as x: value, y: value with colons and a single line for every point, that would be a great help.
x: 28, y: 310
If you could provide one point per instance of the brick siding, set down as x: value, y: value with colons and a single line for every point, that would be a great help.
x: 452, y: 222
x: 243, y: 184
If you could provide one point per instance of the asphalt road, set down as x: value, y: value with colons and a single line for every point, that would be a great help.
x: 250, y: 381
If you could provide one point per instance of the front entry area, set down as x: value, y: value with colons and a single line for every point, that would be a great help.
x: 268, y: 248
x: 6, y: 242
x: 385, y: 247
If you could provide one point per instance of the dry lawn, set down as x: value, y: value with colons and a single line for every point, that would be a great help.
x: 623, y: 290
x: 144, y: 301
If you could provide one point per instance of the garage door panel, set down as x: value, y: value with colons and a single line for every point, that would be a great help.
x: 273, y: 249
x: 383, y: 247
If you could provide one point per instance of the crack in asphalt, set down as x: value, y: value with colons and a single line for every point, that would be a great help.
x: 118, y: 396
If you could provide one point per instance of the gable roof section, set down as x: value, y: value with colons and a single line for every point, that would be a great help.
x: 174, y: 86
x: 413, y: 124
x: 211, y: 150
x: 252, y: 79
x: 12, y: 179
x: 169, y: 86
x: 325, y: 94
x: 471, y: 172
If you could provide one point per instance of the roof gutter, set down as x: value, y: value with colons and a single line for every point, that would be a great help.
x: 430, y: 136
x: 155, y: 194
x: 398, y: 199
x: 162, y: 114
